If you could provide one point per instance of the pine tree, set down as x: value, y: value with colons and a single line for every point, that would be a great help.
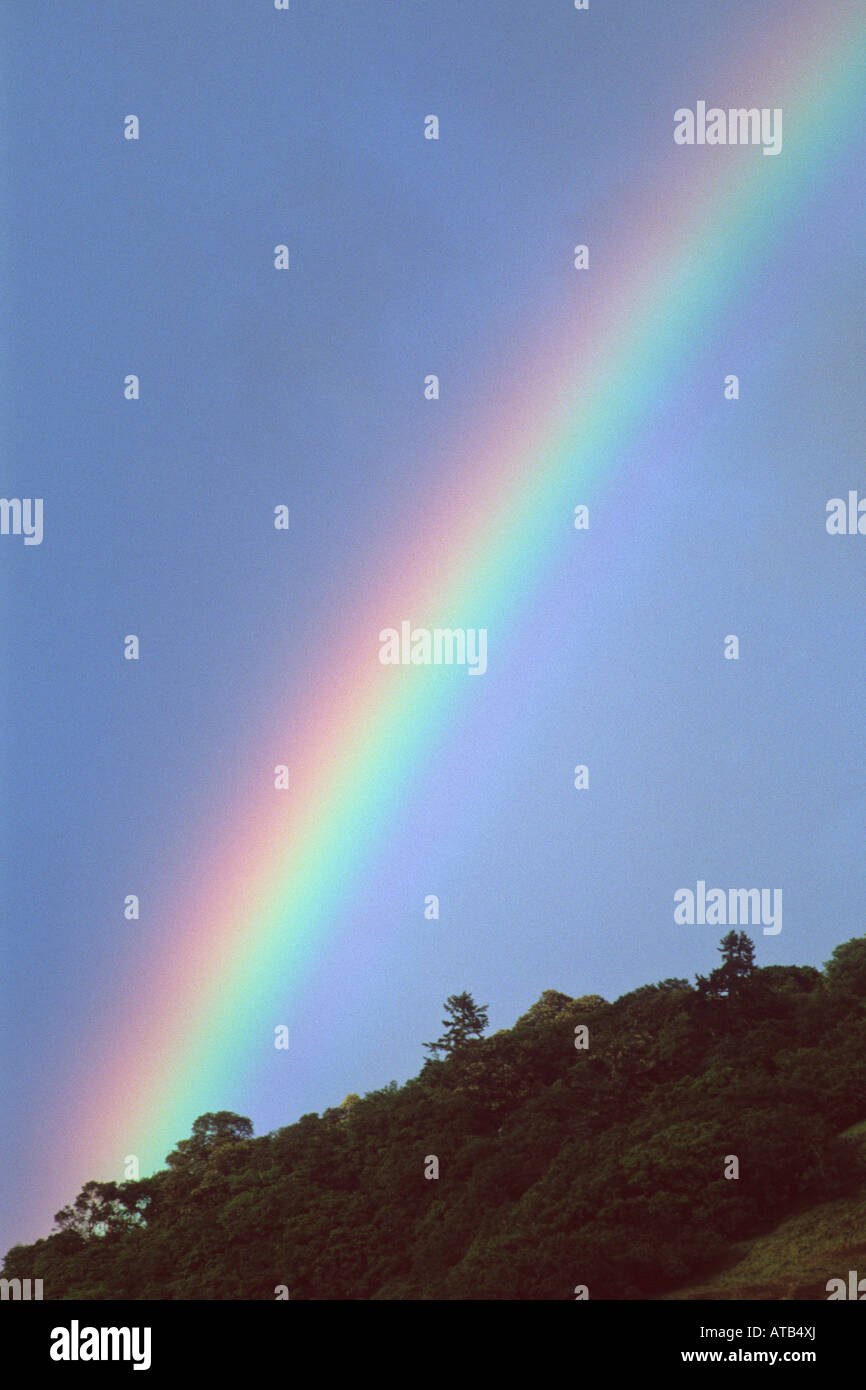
x: 466, y: 1020
x: 731, y: 979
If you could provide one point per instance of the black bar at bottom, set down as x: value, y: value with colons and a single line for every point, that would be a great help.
x: 233, y: 1338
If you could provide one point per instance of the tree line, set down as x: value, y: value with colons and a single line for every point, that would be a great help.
x: 587, y: 1146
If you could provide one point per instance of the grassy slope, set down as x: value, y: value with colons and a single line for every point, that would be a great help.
x: 796, y: 1259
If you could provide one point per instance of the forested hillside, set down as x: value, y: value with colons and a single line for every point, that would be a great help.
x: 593, y: 1144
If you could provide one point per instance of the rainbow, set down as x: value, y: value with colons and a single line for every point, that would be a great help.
x: 282, y: 869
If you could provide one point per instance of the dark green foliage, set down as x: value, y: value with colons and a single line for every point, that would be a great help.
x: 845, y: 971
x: 731, y: 980
x: 465, y: 1020
x: 558, y: 1165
